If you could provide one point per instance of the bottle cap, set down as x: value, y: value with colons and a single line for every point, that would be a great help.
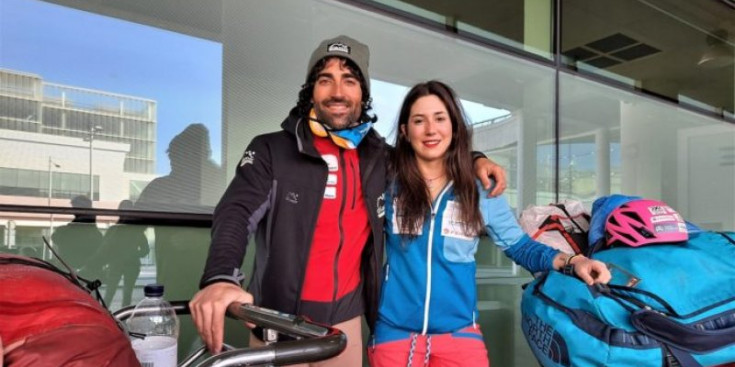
x: 153, y: 290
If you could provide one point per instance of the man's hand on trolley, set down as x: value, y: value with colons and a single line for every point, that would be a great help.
x: 208, y: 308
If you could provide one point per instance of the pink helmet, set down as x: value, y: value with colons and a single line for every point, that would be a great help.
x: 644, y: 222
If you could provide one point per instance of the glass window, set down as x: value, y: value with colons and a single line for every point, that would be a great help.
x: 680, y: 51
x: 522, y: 25
x: 111, y: 105
x: 616, y: 142
x: 158, y: 113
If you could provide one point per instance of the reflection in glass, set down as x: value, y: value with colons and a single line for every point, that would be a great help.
x: 77, y: 242
x: 97, y: 105
x: 122, y: 249
x: 195, y: 181
x: 614, y: 142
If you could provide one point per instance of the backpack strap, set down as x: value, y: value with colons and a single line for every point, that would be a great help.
x: 727, y: 237
x: 622, y: 292
x: 563, y: 208
x: 552, y: 224
x: 684, y: 337
x: 685, y: 359
x: 680, y: 339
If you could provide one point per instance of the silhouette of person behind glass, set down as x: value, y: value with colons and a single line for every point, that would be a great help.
x: 123, y: 246
x: 193, y: 186
x: 78, y: 240
x: 195, y: 182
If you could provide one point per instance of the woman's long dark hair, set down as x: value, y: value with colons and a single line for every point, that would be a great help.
x: 304, y: 104
x: 413, y: 195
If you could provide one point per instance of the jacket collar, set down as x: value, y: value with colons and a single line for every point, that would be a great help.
x: 297, y: 126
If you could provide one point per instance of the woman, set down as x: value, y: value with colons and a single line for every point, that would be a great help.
x: 436, y: 214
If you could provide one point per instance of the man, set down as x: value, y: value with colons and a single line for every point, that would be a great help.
x: 312, y: 195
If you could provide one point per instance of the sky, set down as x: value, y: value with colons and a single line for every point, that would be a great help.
x: 183, y: 74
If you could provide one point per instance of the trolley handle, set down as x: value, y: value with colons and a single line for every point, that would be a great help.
x: 314, y: 342
x: 294, y: 326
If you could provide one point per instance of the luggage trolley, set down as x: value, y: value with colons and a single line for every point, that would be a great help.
x: 313, y: 342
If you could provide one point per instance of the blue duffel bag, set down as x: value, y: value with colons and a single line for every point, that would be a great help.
x: 666, y: 305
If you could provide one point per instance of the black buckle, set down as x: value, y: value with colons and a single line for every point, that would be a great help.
x: 270, y: 336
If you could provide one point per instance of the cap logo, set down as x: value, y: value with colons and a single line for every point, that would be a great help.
x: 338, y: 47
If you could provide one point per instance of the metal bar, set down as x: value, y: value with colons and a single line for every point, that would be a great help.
x: 316, y: 343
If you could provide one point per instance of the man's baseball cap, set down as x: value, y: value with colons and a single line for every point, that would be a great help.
x: 343, y: 46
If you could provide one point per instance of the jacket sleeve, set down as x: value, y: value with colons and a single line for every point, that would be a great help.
x: 477, y: 155
x: 504, y: 230
x: 244, y: 203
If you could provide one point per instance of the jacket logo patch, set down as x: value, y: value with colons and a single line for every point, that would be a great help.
x: 330, y: 192
x: 331, y: 161
x: 545, y: 339
x: 247, y: 158
x: 292, y: 197
x: 452, y: 224
x: 338, y: 47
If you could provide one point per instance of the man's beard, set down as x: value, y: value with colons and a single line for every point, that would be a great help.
x: 337, y: 123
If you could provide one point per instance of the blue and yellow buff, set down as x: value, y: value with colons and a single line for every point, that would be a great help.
x: 345, y: 138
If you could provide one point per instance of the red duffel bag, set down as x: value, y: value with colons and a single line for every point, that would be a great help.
x: 48, y: 320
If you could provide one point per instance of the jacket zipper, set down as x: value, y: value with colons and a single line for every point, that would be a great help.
x: 429, y: 246
x: 376, y: 259
x: 341, y: 231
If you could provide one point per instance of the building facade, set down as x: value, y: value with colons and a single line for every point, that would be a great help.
x: 52, y: 132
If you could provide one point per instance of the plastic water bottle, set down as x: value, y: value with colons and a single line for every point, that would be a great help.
x: 154, y: 329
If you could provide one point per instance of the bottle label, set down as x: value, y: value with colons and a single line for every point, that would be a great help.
x: 156, y: 351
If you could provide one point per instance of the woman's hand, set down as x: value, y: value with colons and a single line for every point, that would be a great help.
x: 591, y: 271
